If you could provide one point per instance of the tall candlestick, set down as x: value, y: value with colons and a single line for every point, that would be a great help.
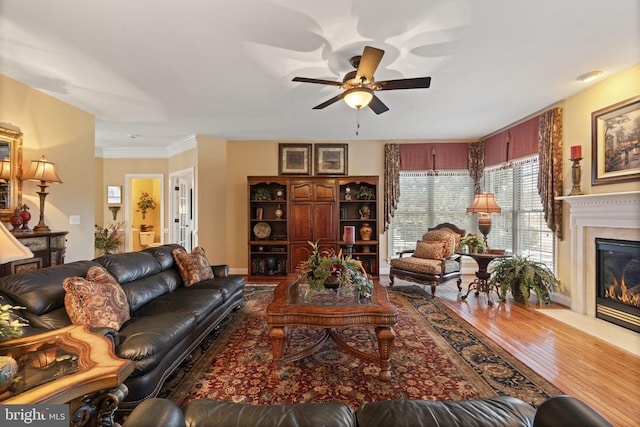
x: 349, y: 234
x: 576, y: 152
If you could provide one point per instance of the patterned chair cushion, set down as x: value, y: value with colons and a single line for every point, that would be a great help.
x: 429, y: 250
x: 418, y: 265
x: 194, y: 267
x: 97, y: 300
x: 442, y: 236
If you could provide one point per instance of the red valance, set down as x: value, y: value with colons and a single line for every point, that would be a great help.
x: 447, y: 156
x: 518, y: 141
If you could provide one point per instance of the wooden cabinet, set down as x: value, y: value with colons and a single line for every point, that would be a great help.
x: 359, y: 208
x: 314, y: 209
x: 48, y: 249
x: 268, y: 226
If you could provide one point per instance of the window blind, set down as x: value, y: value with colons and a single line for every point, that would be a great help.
x: 427, y: 199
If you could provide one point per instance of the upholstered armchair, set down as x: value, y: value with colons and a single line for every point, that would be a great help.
x: 433, y: 260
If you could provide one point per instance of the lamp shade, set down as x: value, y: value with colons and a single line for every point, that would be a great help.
x: 484, y: 203
x: 42, y: 170
x: 358, y: 97
x: 10, y: 248
x: 5, y: 169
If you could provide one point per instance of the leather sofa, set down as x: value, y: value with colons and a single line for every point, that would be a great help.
x: 502, y: 411
x: 168, y: 319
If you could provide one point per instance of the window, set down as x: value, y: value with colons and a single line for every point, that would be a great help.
x: 521, y: 228
x: 428, y: 199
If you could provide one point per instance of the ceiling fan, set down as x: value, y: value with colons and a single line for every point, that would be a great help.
x: 359, y: 85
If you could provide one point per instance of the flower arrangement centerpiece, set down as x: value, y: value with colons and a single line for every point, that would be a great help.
x: 10, y: 323
x: 324, y: 267
x: 106, y: 238
x: 146, y: 202
x: 473, y: 244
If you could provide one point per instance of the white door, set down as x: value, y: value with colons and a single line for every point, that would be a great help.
x: 182, y: 214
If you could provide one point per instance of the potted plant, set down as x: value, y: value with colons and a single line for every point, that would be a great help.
x: 365, y: 193
x: 146, y: 202
x: 520, y: 276
x: 10, y: 327
x: 262, y: 193
x: 10, y: 323
x: 472, y: 244
x: 106, y: 238
x: 324, y: 268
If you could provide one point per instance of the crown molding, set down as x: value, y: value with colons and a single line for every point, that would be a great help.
x: 147, y: 152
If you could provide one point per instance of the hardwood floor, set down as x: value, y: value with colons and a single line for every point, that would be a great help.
x: 602, y: 375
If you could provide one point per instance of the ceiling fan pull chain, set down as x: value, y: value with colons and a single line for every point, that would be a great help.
x: 357, y: 121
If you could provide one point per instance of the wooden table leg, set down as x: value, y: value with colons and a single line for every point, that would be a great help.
x: 276, y: 336
x: 385, y: 336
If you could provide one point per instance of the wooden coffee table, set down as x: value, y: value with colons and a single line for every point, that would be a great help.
x: 291, y: 308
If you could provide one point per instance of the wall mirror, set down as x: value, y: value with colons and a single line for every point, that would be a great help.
x: 114, y: 194
x: 11, y: 172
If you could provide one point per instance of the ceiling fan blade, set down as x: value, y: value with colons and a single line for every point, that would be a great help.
x: 377, y: 106
x: 317, y: 81
x: 329, y: 102
x: 416, y: 83
x: 369, y: 61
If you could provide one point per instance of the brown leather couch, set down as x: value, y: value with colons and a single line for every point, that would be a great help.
x: 502, y: 411
x: 168, y: 320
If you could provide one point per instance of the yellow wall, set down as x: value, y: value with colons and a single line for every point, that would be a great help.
x: 65, y: 135
x: 577, y: 131
x: 211, y: 190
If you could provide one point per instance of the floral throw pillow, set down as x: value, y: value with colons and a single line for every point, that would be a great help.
x: 429, y: 250
x: 97, y: 300
x: 194, y: 267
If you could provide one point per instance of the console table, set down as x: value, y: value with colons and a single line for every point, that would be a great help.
x: 68, y: 365
x: 481, y: 282
x: 48, y: 249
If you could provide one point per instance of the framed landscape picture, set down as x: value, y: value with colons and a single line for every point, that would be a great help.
x: 615, y: 133
x: 331, y: 159
x: 294, y: 159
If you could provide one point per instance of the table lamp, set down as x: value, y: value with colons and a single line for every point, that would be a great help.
x: 10, y: 248
x: 484, y: 204
x: 45, y: 172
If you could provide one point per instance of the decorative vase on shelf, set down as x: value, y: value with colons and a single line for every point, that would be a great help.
x: 8, y: 371
x: 26, y: 217
x: 271, y: 266
x: 279, y: 212
x: 365, y: 211
x: 16, y: 220
x: 365, y: 231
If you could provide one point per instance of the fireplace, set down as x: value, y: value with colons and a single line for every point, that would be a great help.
x: 618, y: 282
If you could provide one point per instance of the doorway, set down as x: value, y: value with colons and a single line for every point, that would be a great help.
x: 143, y: 211
x: 182, y: 229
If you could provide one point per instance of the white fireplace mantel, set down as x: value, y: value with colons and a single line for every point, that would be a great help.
x: 607, y: 211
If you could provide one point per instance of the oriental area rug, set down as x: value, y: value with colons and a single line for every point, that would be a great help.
x: 436, y: 355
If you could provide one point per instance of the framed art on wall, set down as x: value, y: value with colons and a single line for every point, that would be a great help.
x: 294, y: 159
x: 331, y: 159
x: 615, y: 144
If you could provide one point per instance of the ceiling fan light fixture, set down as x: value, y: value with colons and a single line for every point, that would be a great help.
x: 358, y: 97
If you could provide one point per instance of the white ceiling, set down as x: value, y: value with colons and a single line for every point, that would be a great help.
x: 165, y: 70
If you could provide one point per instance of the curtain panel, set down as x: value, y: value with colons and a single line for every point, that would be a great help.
x: 391, y: 181
x: 476, y: 165
x: 550, y: 180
